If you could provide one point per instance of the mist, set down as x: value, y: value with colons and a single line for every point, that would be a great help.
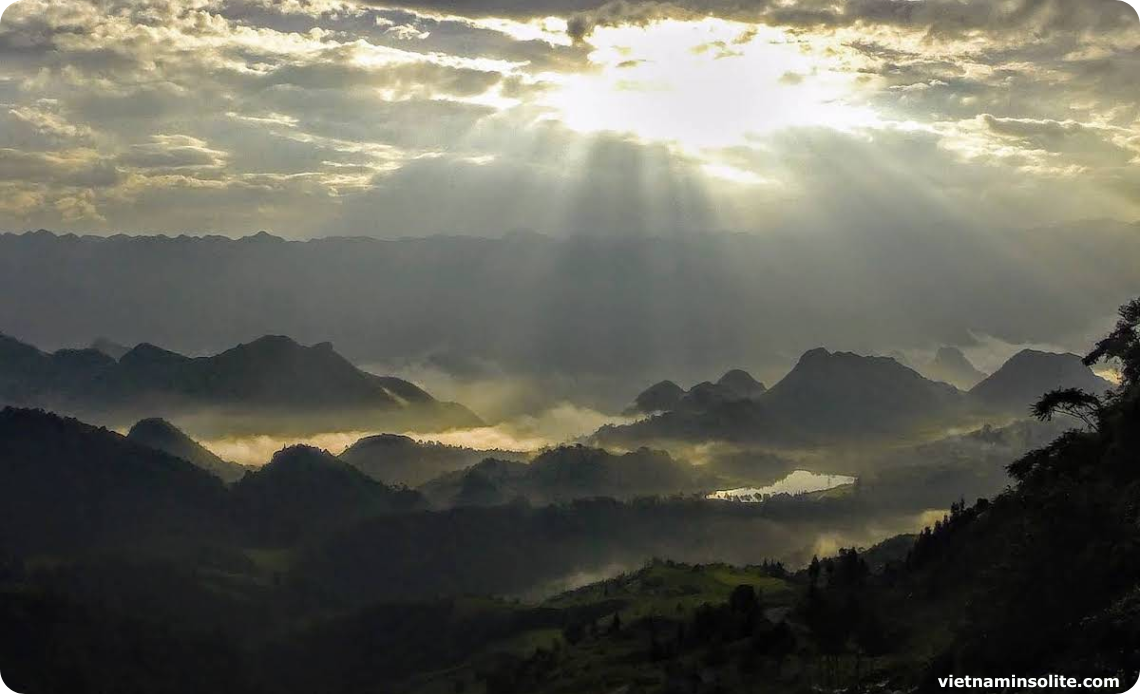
x: 522, y: 323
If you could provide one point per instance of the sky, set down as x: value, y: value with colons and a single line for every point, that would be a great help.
x: 400, y: 118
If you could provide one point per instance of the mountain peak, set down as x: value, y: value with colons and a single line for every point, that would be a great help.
x: 272, y: 342
x: 1031, y: 373
x: 161, y: 435
x: 742, y: 384
x: 109, y: 347
x: 262, y: 237
x: 951, y: 366
x: 303, y: 457
x: 659, y: 397
x: 816, y: 355
x: 145, y: 351
x: 155, y: 425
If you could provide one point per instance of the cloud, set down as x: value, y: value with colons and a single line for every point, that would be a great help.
x: 482, y: 116
x: 935, y: 18
x: 173, y: 152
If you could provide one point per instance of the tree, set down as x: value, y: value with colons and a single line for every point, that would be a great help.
x: 1123, y: 343
x: 1073, y: 402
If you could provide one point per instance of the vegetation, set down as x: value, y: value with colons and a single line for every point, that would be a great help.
x: 125, y: 565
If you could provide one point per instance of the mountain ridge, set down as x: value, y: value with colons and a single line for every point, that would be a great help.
x: 272, y: 375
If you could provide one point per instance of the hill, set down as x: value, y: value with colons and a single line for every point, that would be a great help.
x: 666, y: 396
x: 395, y: 459
x: 305, y: 491
x: 271, y: 378
x: 1028, y: 374
x: 567, y: 473
x: 659, y: 397
x: 163, y: 436
x: 65, y: 485
x: 108, y: 553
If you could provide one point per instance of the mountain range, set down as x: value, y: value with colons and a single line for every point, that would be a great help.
x: 271, y: 378
x: 666, y: 396
x: 833, y: 396
x: 597, y: 315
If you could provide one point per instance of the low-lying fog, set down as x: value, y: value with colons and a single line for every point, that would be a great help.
x: 562, y: 423
x: 799, y: 482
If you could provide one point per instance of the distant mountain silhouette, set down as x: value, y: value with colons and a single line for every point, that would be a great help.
x: 567, y: 473
x: 681, y: 304
x: 68, y: 485
x: 163, y: 436
x: 740, y: 383
x: 1029, y: 374
x: 271, y: 376
x: 845, y: 393
x: 659, y: 397
x: 667, y: 396
x: 307, y: 490
x: 491, y: 482
x: 826, y: 396
x: 109, y: 347
x: 951, y: 366
x: 395, y: 459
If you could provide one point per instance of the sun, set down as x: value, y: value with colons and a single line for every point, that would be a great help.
x: 707, y: 83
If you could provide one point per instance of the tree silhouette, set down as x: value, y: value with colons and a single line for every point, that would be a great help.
x: 1073, y: 402
x: 1123, y: 343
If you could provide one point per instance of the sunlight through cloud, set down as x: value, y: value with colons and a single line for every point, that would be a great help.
x: 706, y: 84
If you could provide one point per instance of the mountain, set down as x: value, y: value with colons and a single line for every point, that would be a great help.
x: 533, y: 306
x: 491, y: 482
x: 271, y: 377
x: 305, y: 490
x: 827, y: 396
x: 109, y: 347
x: 1062, y: 534
x: 163, y: 436
x: 22, y: 369
x: 951, y: 366
x: 67, y: 485
x: 659, y: 397
x: 575, y: 472
x: 741, y: 384
x: 395, y: 459
x: 667, y: 396
x: 567, y: 473
x: 832, y: 393
x: 1028, y: 375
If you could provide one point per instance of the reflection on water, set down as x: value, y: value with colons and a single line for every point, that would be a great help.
x: 799, y: 482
